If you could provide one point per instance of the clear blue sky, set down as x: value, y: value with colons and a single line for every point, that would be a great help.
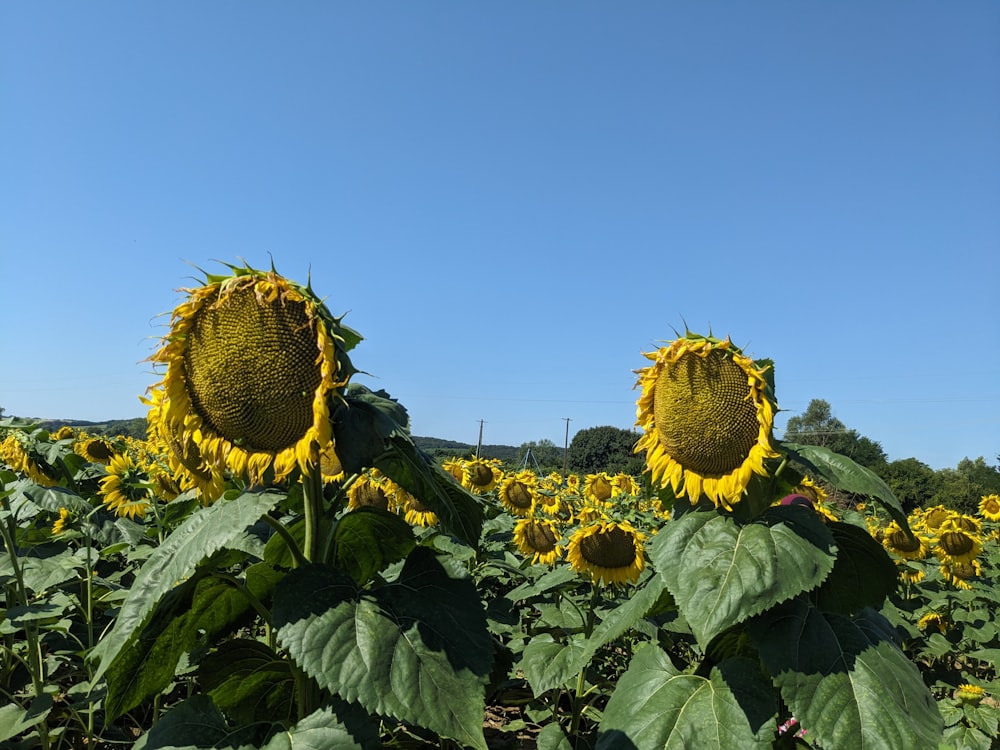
x: 513, y: 201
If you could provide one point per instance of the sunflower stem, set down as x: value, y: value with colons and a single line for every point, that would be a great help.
x: 312, y: 490
x: 281, y: 530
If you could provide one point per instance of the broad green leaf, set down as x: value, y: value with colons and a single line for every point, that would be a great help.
x: 721, y: 573
x: 175, y: 560
x: 366, y: 540
x: 845, y: 679
x: 194, y: 724
x: 962, y: 737
x: 46, y: 566
x: 655, y: 707
x: 546, y: 582
x: 54, y: 498
x: 553, y: 737
x: 343, y: 727
x: 548, y: 664
x: 845, y: 474
x: 187, y: 615
x: 15, y: 720
x: 248, y: 681
x: 276, y: 551
x: 863, y: 574
x: 417, y: 649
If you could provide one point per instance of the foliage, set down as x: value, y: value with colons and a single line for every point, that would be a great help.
x: 817, y: 426
x: 605, y: 448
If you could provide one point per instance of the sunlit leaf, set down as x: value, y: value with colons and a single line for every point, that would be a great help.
x: 175, y: 560
x: 845, y: 679
x: 721, y: 573
x: 397, y: 649
x: 366, y: 540
x: 655, y: 707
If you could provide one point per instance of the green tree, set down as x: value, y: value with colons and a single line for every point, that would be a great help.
x: 913, y: 482
x: 606, y: 448
x: 543, y: 456
x: 962, y: 488
x: 817, y: 426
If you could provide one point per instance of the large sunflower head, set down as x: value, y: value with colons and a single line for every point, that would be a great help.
x: 518, y: 494
x: 607, y: 552
x: 905, y: 545
x: 955, y: 545
x: 707, y: 415
x: 254, y: 363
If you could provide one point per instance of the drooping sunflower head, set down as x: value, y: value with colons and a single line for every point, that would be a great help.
x: 933, y: 620
x: 907, y: 546
x: 538, y: 539
x: 955, y: 545
x: 253, y: 363
x: 958, y: 573
x: 18, y: 451
x: 518, y: 494
x: 598, y: 487
x: 989, y: 507
x: 369, y: 491
x: 126, y: 490
x: 607, y: 552
x: 97, y: 450
x: 707, y: 416
x: 60, y: 523
x: 932, y: 518
x: 481, y: 475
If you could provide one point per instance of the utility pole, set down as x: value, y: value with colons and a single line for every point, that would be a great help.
x: 479, y: 445
x: 566, y: 448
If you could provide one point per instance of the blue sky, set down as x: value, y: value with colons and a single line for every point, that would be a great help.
x: 513, y: 201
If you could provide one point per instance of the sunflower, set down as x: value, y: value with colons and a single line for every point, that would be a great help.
x: 707, y: 418
x: 909, y: 575
x: 517, y: 493
x: 455, y: 467
x: 607, y: 552
x: 16, y: 452
x: 97, y: 450
x: 60, y: 523
x: 414, y: 511
x: 126, y: 488
x: 907, y: 546
x: 625, y: 484
x: 932, y: 518
x: 481, y: 475
x: 538, y: 539
x: 989, y: 507
x: 253, y: 364
x: 63, y: 433
x: 958, y: 573
x: 598, y: 487
x: 956, y: 545
x: 933, y: 620
x: 970, y: 693
x: 368, y: 491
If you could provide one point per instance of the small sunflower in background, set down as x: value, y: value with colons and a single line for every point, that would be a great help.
x: 967, y: 693
x: 455, y: 467
x: 17, y: 453
x: 538, y: 539
x: 63, y: 433
x: 933, y: 620
x: 369, y: 491
x: 707, y: 417
x: 126, y: 488
x: 625, y: 484
x: 598, y: 487
x: 955, y: 545
x: 932, y: 518
x: 518, y: 494
x: 481, y: 475
x: 97, y: 450
x: 907, y: 546
x: 253, y: 363
x: 60, y: 523
x: 989, y: 507
x: 414, y: 511
x: 607, y: 552
x: 958, y: 573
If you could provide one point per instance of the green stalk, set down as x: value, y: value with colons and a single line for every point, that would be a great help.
x: 36, y: 664
x: 312, y: 491
x: 281, y: 530
x: 581, y: 681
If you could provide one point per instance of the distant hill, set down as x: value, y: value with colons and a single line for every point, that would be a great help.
x: 436, y: 447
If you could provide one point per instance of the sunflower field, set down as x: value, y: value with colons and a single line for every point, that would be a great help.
x: 277, y: 565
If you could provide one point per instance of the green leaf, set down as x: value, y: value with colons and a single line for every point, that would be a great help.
x: 248, y: 681
x: 366, y: 540
x: 54, y: 498
x: 845, y: 474
x: 863, y: 574
x: 845, y: 679
x: 417, y: 649
x: 655, y: 707
x: 549, y: 665
x: 721, y: 573
x: 962, y: 737
x: 187, y: 616
x: 15, y: 720
x: 196, y: 723
x: 343, y: 727
x: 46, y: 566
x: 175, y: 560
x: 553, y: 737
